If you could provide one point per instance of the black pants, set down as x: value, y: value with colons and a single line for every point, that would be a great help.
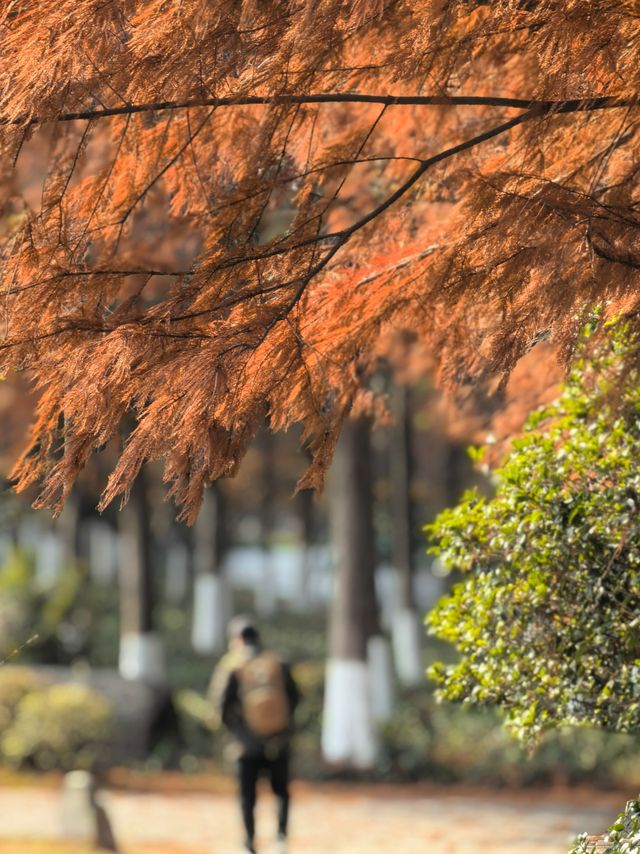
x: 277, y: 768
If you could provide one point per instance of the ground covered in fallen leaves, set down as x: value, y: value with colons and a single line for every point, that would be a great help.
x: 167, y: 818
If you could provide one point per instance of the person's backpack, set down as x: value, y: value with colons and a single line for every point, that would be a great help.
x: 265, y: 705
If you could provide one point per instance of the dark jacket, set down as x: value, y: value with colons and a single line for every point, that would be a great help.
x: 247, y: 742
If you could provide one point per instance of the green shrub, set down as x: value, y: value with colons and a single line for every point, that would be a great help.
x: 546, y: 618
x: 15, y: 683
x: 61, y: 726
x: 623, y: 837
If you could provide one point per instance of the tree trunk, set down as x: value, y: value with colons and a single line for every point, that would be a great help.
x: 179, y: 560
x: 266, y: 598
x: 141, y: 651
x: 306, y: 511
x: 406, y: 628
x: 400, y: 470
x: 68, y: 527
x: 354, y: 617
x: 354, y: 631
x: 212, y: 600
x: 57, y: 547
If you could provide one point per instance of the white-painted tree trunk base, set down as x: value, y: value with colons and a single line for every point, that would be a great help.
x: 211, y: 613
x: 348, y: 733
x: 381, y: 678
x: 77, y: 813
x: 142, y: 658
x: 266, y: 594
x: 407, y: 633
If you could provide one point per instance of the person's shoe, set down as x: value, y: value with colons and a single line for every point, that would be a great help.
x: 249, y: 848
x: 281, y: 845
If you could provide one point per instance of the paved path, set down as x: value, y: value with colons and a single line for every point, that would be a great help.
x: 338, y: 819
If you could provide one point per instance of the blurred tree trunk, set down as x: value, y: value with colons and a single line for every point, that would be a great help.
x: 141, y: 651
x: 454, y: 478
x: 307, y: 517
x: 400, y: 474
x: 354, y: 678
x: 101, y: 533
x: 68, y: 527
x: 266, y: 593
x: 406, y: 625
x: 179, y: 565
x: 354, y: 614
x: 212, y: 601
x: 58, y: 546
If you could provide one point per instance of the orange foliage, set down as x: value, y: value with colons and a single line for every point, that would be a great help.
x: 240, y: 200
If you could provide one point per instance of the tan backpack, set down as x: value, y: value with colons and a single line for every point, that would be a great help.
x: 265, y: 705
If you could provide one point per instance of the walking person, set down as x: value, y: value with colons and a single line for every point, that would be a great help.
x: 256, y: 698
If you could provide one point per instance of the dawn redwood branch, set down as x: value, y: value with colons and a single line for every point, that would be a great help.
x: 432, y: 161
x: 68, y: 274
x: 626, y: 259
x: 343, y: 237
x: 190, y: 137
x: 340, y: 237
x: 72, y: 326
x: 573, y: 105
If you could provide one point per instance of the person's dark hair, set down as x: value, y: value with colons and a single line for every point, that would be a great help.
x: 250, y: 635
x: 243, y: 627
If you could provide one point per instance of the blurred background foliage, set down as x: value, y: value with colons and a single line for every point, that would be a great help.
x: 62, y: 726
x: 57, y: 628
x: 45, y: 727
